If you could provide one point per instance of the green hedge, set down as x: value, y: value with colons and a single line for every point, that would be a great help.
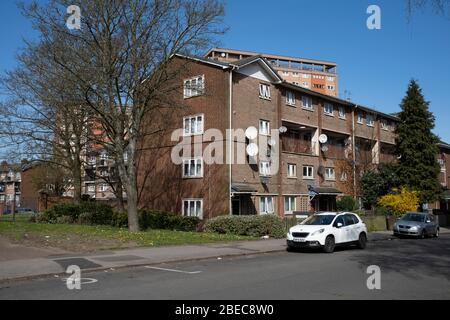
x: 85, y: 213
x: 255, y: 226
x: 154, y: 219
x: 93, y: 213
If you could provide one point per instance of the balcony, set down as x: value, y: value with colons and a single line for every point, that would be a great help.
x: 295, y: 142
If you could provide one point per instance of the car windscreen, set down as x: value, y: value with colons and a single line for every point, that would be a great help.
x: 319, y: 220
x: 414, y: 217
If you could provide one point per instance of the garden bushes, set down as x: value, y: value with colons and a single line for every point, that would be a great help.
x: 255, y: 226
x: 154, y: 219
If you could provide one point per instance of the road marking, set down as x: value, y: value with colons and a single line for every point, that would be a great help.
x: 173, y: 270
x: 83, y: 280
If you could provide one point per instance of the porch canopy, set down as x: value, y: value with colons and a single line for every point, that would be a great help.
x: 323, y: 191
x: 242, y: 188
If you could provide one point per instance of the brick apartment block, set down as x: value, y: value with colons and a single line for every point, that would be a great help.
x: 312, y: 174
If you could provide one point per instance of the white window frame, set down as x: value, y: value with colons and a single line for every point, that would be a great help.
x: 309, y: 169
x: 292, y: 171
x: 266, y: 203
x: 190, y: 91
x: 330, y: 174
x: 198, y: 130
x: 370, y: 120
x: 264, y: 127
x: 295, y: 74
x: 360, y: 119
x: 341, y: 111
x: 196, y: 161
x: 330, y: 78
x: 103, y: 187
x: 290, y: 98
x: 290, y: 204
x: 264, y: 91
x: 91, y: 188
x: 344, y: 176
x: 328, y: 109
x: 306, y: 76
x: 306, y: 84
x: 309, y: 100
x: 384, y: 125
x: 264, y: 168
x: 196, y: 203
x: 330, y: 87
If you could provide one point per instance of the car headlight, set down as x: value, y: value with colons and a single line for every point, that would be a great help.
x: 414, y: 228
x: 317, y: 232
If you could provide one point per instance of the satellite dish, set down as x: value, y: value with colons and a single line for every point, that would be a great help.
x: 324, y: 149
x: 272, y: 142
x: 323, y: 138
x: 251, y: 133
x: 252, y: 150
x: 223, y: 55
x: 283, y: 129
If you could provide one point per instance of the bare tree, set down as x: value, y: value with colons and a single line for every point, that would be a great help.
x: 120, y: 60
x: 440, y: 7
x: 43, y: 117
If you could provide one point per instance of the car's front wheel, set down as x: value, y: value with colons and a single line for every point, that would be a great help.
x: 423, y: 234
x: 362, y: 241
x: 329, y: 244
x: 436, y: 235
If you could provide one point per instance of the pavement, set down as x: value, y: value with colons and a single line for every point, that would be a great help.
x: 408, y: 269
x: 19, y: 262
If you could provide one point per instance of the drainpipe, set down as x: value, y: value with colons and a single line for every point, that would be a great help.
x: 354, y: 151
x: 230, y: 135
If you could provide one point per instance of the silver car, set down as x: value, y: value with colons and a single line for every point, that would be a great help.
x: 417, y: 224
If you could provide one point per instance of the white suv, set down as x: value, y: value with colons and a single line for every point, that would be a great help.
x: 328, y: 230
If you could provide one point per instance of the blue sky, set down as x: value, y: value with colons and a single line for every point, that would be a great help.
x: 375, y: 66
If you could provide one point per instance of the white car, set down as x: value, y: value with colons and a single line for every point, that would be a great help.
x: 328, y: 230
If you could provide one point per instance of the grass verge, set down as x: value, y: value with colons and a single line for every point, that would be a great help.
x: 82, y: 238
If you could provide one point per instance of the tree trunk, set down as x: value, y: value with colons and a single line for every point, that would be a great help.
x: 133, y: 221
x: 119, y: 196
x: 77, y: 182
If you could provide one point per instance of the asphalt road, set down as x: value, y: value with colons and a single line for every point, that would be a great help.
x: 410, y: 269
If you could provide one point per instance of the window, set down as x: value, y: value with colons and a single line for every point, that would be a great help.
x: 193, y: 168
x: 308, y: 172
x: 295, y: 74
x: 307, y: 103
x: 194, y: 87
x: 330, y: 78
x: 344, y: 176
x: 103, y: 173
x: 289, y: 205
x: 360, y: 118
x: 264, y: 168
x: 92, y: 160
x: 103, y: 187
x: 296, y: 83
x: 193, y: 208
x: 264, y: 127
x: 290, y: 98
x: 264, y: 91
x: 193, y: 125
x: 330, y: 87
x: 329, y: 174
x: 349, y: 220
x: 286, y: 73
x: 306, y: 76
x: 266, y: 205
x: 305, y: 84
x: 319, y: 86
x: 91, y: 188
x: 292, y: 170
x: 370, y: 120
x: 384, y: 125
x: 341, y: 112
x: 328, y: 109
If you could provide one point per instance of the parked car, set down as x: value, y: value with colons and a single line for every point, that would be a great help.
x: 328, y: 230
x: 416, y: 224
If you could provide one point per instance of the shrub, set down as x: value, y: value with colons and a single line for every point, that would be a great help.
x: 64, y: 220
x: 346, y: 203
x: 154, y: 219
x: 93, y: 213
x: 400, y: 201
x: 120, y: 220
x: 256, y: 226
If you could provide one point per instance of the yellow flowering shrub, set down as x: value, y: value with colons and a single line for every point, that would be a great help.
x: 400, y: 201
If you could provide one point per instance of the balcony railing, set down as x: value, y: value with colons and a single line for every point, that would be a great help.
x: 296, y: 145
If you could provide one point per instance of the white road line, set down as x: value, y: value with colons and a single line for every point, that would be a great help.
x: 173, y: 270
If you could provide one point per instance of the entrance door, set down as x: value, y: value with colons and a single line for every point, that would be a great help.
x: 236, y: 206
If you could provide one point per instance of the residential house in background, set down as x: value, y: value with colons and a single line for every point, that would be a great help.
x: 10, y: 186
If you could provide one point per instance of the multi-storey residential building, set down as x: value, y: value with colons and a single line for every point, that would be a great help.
x: 317, y: 75
x: 10, y: 186
x: 325, y: 143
